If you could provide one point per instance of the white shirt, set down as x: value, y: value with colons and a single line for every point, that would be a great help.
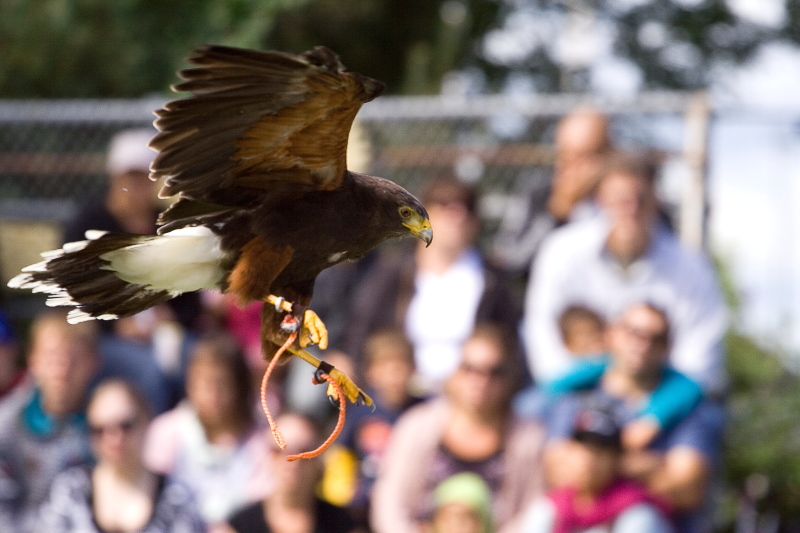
x: 223, y: 477
x: 441, y: 315
x: 573, y: 267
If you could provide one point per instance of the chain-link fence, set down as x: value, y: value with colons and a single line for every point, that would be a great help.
x: 54, y: 150
x: 52, y: 153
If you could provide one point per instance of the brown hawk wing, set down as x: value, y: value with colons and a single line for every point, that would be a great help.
x: 257, y: 122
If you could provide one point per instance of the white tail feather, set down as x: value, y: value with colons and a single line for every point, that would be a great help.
x: 57, y: 301
x: 183, y: 260
x: 94, y: 234
x: 74, y: 246
x: 19, y: 281
x: 41, y: 266
x: 50, y: 254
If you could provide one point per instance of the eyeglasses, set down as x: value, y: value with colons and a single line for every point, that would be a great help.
x: 497, y: 371
x: 658, y: 338
x: 125, y: 426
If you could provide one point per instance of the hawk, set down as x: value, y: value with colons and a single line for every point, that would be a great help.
x: 255, y: 159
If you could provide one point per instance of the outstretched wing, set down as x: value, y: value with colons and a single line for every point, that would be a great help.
x: 257, y: 122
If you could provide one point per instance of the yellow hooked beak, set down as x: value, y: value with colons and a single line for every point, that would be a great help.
x: 420, y: 227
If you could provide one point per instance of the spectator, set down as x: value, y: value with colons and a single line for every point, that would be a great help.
x: 147, y: 348
x: 435, y: 295
x: 469, y: 429
x: 627, y: 256
x: 210, y: 442
x: 463, y: 505
x: 226, y: 315
x: 583, y: 334
x: 581, y: 143
x: 674, y: 398
x: 389, y: 365
x: 595, y: 495
x: 293, y: 505
x: 46, y: 433
x: 130, y: 205
x: 582, y: 331
x: 118, y: 493
x: 678, y: 464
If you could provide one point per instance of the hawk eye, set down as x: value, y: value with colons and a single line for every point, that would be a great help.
x: 405, y: 212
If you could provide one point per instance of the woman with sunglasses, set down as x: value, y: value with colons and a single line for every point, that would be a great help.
x: 470, y: 428
x: 118, y: 494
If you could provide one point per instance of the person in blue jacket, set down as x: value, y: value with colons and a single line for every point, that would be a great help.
x: 583, y: 331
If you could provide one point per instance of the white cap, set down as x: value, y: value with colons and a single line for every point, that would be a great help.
x: 128, y: 151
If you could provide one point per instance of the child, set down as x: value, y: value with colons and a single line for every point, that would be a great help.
x: 583, y: 334
x: 592, y: 496
x: 582, y: 331
x: 389, y: 366
x: 463, y: 505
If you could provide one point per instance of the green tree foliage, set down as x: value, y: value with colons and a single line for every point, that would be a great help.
x: 120, y: 48
x: 127, y: 48
x: 409, y: 44
x: 763, y: 437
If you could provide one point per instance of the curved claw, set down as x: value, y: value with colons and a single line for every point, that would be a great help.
x: 349, y: 388
x: 314, y: 331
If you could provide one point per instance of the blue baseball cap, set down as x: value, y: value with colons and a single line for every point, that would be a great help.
x: 6, y: 333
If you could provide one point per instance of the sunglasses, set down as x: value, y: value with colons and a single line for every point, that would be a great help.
x: 497, y: 371
x: 125, y: 426
x: 658, y: 338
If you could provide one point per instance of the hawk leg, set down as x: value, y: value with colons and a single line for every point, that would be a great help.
x: 349, y: 388
x: 313, y: 331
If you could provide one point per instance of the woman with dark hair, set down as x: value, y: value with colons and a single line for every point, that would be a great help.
x: 119, y: 493
x: 210, y: 441
x: 293, y: 507
x: 434, y: 294
x: 470, y: 428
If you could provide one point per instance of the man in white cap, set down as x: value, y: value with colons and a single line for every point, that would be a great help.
x: 130, y: 205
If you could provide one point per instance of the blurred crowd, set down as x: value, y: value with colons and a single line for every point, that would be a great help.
x: 594, y: 402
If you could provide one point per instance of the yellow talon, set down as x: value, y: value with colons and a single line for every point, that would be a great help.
x: 349, y: 388
x: 314, y: 331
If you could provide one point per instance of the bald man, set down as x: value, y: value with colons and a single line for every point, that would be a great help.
x: 581, y: 143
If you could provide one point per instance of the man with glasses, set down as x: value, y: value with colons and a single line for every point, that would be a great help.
x: 678, y: 464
